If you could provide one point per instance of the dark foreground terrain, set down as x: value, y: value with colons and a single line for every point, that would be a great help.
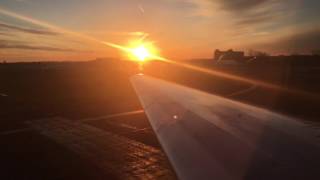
x: 88, y: 143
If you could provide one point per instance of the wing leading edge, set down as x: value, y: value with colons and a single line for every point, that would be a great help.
x: 210, y: 137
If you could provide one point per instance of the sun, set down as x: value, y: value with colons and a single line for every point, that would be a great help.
x: 141, y: 53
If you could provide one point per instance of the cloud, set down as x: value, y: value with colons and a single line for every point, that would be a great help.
x: 21, y: 1
x: 302, y: 42
x: 10, y: 44
x: 241, y: 5
x: 255, y: 12
x: 4, y: 34
x: 256, y: 19
x: 248, y: 12
x: 26, y: 30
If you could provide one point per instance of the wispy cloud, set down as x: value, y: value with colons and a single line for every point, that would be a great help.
x: 4, y: 34
x: 10, y: 27
x: 303, y: 42
x: 10, y: 44
x: 253, y: 12
x: 21, y: 0
x: 257, y: 18
x: 241, y: 5
x: 246, y: 12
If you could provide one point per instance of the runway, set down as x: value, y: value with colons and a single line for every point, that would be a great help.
x: 210, y: 137
x: 122, y: 157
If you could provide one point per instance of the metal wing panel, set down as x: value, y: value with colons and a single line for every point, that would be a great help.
x: 210, y: 137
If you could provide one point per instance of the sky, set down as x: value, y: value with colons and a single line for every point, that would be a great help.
x: 181, y: 29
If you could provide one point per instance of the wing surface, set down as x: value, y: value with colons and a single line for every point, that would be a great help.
x: 210, y: 137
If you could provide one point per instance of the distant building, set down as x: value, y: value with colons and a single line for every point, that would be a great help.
x: 236, y: 56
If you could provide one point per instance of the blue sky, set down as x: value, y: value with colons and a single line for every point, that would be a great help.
x: 182, y: 29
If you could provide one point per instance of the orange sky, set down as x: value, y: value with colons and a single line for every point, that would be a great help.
x: 181, y: 29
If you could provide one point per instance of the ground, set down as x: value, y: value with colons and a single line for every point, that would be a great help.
x: 34, y: 94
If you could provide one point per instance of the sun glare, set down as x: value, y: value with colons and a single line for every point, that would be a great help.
x: 142, y: 51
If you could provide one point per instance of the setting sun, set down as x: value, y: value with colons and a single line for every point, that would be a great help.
x: 139, y: 50
x: 141, y: 53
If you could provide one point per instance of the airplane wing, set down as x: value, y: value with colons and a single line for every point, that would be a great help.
x: 210, y: 137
